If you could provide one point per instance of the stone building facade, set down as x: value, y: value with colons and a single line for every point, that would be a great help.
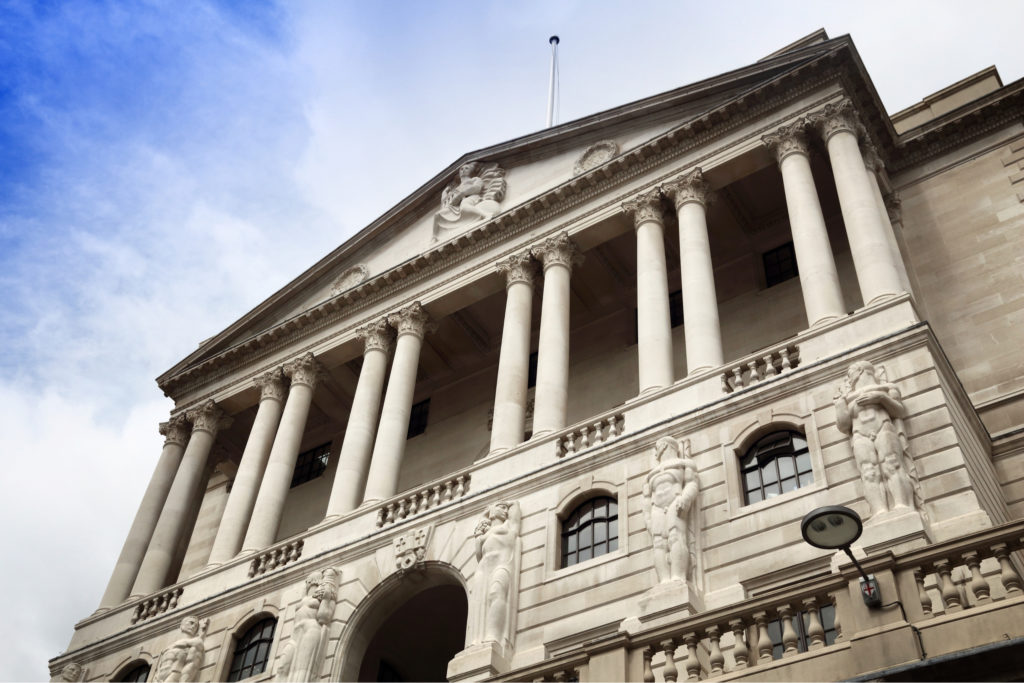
x: 558, y: 415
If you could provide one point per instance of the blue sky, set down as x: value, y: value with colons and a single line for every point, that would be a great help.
x: 165, y: 166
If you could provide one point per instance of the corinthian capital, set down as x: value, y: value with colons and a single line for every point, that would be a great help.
x: 558, y: 250
x: 835, y: 118
x: 872, y: 159
x: 645, y: 207
x: 208, y: 417
x: 272, y: 385
x: 412, y: 320
x: 305, y: 370
x: 689, y: 187
x: 519, y: 267
x: 175, y: 430
x: 376, y: 336
x: 791, y: 139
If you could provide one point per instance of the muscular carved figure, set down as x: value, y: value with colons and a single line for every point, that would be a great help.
x: 870, y: 410
x: 670, y: 492
x: 184, y: 658
x: 304, y: 651
x: 497, y: 571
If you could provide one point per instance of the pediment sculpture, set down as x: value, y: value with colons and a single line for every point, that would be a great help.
x: 473, y: 196
x: 304, y: 652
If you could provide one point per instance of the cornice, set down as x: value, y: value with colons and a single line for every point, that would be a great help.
x: 834, y: 66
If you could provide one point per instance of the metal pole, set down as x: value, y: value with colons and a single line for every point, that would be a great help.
x: 553, y: 40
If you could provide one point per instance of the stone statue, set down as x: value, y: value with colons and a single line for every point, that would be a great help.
x: 495, y: 588
x: 71, y: 673
x: 869, y: 409
x: 183, y: 660
x: 304, y: 652
x: 670, y: 493
x: 476, y: 194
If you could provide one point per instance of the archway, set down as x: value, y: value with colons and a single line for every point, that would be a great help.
x: 407, y: 629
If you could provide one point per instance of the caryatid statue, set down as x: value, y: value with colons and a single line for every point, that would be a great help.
x: 671, y: 510
x: 495, y: 588
x: 475, y: 194
x: 184, y: 658
x: 304, y: 652
x: 870, y: 410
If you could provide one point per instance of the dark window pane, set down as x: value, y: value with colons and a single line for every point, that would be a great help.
x: 613, y: 545
x: 613, y: 528
x: 788, y: 485
x: 586, y: 537
x: 806, y: 478
x: 776, y: 464
x: 803, y: 462
x: 787, y: 466
x: 418, y: 418
x: 772, y: 490
x: 311, y: 464
x: 584, y: 554
x: 755, y: 496
x: 770, y: 474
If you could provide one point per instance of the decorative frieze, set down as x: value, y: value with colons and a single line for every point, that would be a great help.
x: 175, y: 430
x: 520, y: 267
x: 689, y: 187
x: 411, y: 320
x: 645, y: 207
x: 589, y: 435
x: 423, y: 500
x: 272, y: 385
x: 558, y: 250
x: 789, y: 139
x: 761, y: 367
x: 275, y: 558
x: 157, y: 604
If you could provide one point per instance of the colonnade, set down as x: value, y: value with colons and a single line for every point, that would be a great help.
x: 375, y: 437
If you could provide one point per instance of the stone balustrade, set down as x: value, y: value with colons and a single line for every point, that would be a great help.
x: 270, y: 560
x: 424, y: 499
x: 157, y: 604
x: 557, y: 676
x: 595, y: 433
x: 761, y: 366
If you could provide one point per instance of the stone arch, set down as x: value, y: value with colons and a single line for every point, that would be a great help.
x: 384, y: 600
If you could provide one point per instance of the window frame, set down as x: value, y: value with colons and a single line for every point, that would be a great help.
x: 610, y: 482
x: 257, y: 622
x: 308, y: 459
x: 419, y: 418
x: 609, y: 522
x: 766, y: 453
x: 777, y: 274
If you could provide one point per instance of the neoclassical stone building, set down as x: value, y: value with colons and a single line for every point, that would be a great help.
x: 559, y: 414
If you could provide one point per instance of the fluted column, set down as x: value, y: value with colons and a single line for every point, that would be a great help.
x: 176, y: 432
x: 509, y: 424
x: 304, y: 372
x: 206, y: 421
x: 654, y: 324
x: 558, y: 254
x: 877, y: 274
x: 354, y: 461
x: 819, y: 279
x: 874, y: 166
x: 703, y: 333
x: 235, y: 520
x: 411, y: 324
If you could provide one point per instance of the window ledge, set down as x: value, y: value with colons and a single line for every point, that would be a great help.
x: 760, y: 506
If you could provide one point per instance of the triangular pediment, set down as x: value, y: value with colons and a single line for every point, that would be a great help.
x: 482, y: 186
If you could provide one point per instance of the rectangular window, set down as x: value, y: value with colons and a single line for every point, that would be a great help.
x: 418, y: 418
x: 311, y: 464
x: 779, y: 264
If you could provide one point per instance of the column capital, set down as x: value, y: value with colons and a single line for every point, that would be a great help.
x: 208, y: 417
x: 645, y: 207
x: 872, y: 159
x: 175, y: 430
x: 789, y: 139
x: 689, y: 187
x: 558, y: 250
x: 521, y: 267
x: 272, y: 385
x: 412, y: 320
x: 376, y: 336
x: 305, y: 370
x: 836, y: 117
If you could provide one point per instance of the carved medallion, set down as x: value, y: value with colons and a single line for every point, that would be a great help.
x: 411, y: 549
x: 595, y: 155
x: 349, y: 279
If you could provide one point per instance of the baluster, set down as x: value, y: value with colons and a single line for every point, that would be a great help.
x: 740, y: 653
x: 815, y: 631
x: 403, y: 508
x: 380, y: 517
x: 692, y: 663
x: 598, y: 432
x: 764, y: 643
x: 448, y: 490
x: 435, y: 500
x: 584, y: 437
x: 389, y: 516
x: 670, y: 672
x: 460, y: 486
x: 835, y: 621
x: 784, y: 354
x: 950, y: 595
x: 1007, y: 574
x: 726, y: 389
x: 755, y: 376
x: 789, y: 637
x: 769, y: 366
x: 922, y: 594
x: 569, y: 443
x: 425, y: 499
x: 613, y: 426
x: 648, y: 671
x: 560, y: 676
x: 138, y: 612
x: 737, y: 376
x: 414, y: 504
x: 979, y: 586
x: 717, y: 659
x: 252, y: 569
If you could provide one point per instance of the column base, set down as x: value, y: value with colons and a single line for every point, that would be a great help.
x: 882, y: 297
x: 821, y: 322
x: 477, y: 662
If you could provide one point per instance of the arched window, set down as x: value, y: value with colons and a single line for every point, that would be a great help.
x: 137, y: 674
x: 592, y: 529
x: 252, y: 650
x: 777, y: 463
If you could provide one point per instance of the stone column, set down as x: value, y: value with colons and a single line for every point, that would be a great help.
x: 354, y: 460
x: 206, y: 421
x: 654, y: 325
x: 411, y: 324
x: 700, y: 304
x: 509, y: 424
x: 819, y: 280
x: 558, y: 254
x: 304, y: 372
x: 874, y: 166
x: 877, y: 273
x: 126, y: 570
x: 235, y: 520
